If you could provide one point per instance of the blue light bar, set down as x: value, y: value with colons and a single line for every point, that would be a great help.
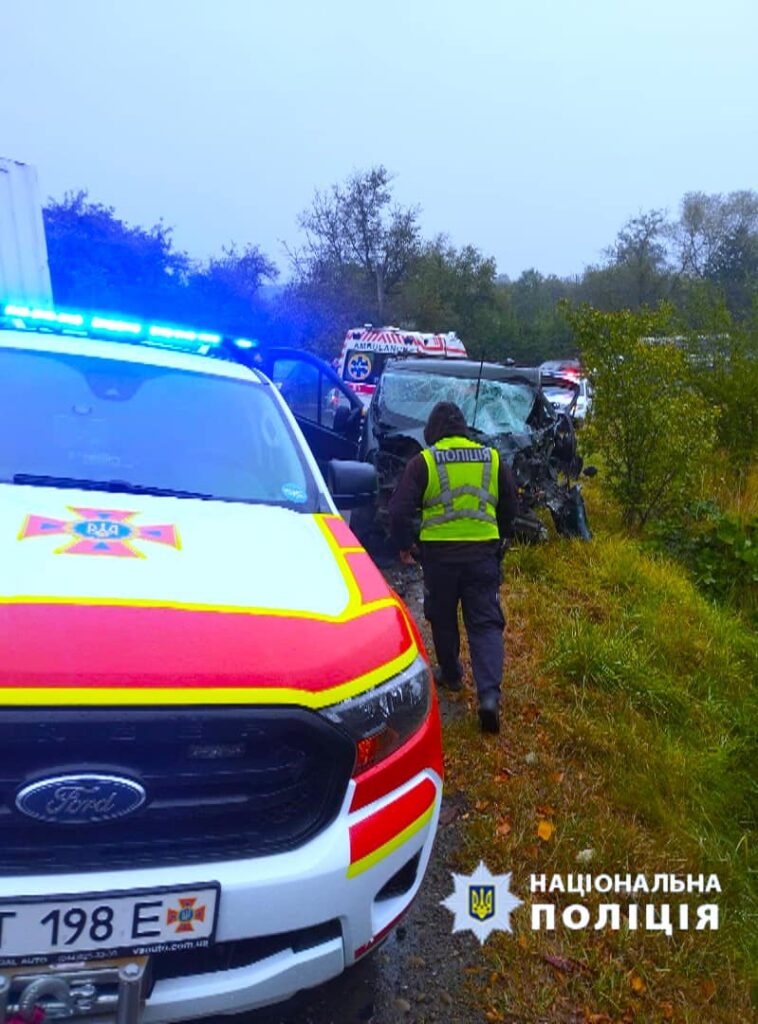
x: 46, y: 315
x: 179, y: 334
x: 245, y: 343
x: 102, y: 323
x: 161, y: 335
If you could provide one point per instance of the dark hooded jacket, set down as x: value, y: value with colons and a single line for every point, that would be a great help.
x: 446, y: 420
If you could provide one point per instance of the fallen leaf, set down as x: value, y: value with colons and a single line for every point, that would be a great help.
x: 504, y: 827
x: 522, y: 941
x: 545, y: 810
x: 503, y: 776
x: 563, y: 963
x: 494, y: 1016
x: 402, y: 1005
x: 637, y: 984
x: 708, y: 988
x: 481, y: 805
x: 667, y: 1011
x: 530, y: 713
x: 532, y: 851
x: 598, y: 1018
x: 557, y: 777
x: 545, y: 830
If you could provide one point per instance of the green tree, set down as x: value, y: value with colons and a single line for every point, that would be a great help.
x: 99, y: 261
x: 452, y: 289
x: 650, y: 423
x: 538, y: 328
x: 724, y: 358
x: 226, y: 290
x: 636, y: 270
x: 358, y: 241
x: 715, y: 246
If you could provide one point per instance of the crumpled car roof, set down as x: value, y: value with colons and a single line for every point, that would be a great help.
x: 468, y: 369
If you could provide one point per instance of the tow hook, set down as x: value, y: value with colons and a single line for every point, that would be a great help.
x: 111, y: 994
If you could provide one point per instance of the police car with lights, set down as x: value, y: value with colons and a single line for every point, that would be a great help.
x: 221, y: 762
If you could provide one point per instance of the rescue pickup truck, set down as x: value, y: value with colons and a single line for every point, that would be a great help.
x: 220, y: 759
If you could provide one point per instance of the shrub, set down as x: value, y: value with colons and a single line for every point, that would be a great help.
x: 652, y: 427
x: 721, y: 551
x: 726, y: 374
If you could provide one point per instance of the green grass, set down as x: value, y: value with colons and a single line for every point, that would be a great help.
x: 631, y: 723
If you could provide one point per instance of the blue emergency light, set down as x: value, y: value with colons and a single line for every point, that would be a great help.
x: 99, y: 326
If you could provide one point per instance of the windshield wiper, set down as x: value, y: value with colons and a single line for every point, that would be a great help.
x: 114, y: 486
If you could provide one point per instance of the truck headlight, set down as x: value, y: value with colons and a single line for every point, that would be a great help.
x: 382, y: 719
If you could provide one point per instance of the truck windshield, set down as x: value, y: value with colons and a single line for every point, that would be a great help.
x: 87, y: 420
x: 502, y: 407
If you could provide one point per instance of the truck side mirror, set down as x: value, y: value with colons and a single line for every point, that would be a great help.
x: 351, y: 484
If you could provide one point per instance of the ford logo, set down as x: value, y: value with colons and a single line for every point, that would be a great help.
x: 80, y: 799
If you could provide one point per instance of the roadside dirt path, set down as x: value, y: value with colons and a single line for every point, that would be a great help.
x: 418, y: 974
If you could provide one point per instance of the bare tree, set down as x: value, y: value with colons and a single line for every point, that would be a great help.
x: 709, y: 223
x: 355, y: 227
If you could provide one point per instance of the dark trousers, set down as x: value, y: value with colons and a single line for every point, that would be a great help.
x: 476, y: 585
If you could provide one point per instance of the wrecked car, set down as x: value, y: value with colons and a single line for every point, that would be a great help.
x: 506, y: 408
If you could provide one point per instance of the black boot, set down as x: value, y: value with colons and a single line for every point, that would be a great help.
x: 489, y: 713
x: 454, y: 685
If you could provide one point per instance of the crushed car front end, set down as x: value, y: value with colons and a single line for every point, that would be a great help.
x: 505, y: 407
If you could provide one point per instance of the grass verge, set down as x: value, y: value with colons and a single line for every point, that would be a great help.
x: 631, y: 733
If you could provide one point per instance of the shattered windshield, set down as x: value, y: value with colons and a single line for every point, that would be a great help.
x: 503, y: 407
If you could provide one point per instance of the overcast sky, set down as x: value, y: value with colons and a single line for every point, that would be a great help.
x: 530, y: 128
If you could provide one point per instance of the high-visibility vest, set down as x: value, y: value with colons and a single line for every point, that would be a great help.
x: 460, y: 500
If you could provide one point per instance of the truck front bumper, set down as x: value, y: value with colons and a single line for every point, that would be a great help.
x: 293, y: 920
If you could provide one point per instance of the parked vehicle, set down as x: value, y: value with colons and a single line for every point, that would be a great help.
x: 24, y: 271
x: 569, y: 395
x: 366, y: 350
x: 221, y: 769
x: 505, y: 407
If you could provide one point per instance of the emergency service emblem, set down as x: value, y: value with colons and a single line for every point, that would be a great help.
x: 359, y: 367
x: 186, y: 914
x: 482, y: 903
x: 97, y: 531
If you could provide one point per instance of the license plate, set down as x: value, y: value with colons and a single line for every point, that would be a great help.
x: 104, y: 925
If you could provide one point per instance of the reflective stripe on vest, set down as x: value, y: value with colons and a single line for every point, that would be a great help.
x: 444, y: 516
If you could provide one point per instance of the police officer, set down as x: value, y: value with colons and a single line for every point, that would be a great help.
x: 467, y: 496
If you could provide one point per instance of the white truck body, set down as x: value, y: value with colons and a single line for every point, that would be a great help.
x: 24, y: 271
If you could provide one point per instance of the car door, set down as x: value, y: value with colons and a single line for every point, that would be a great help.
x: 329, y: 414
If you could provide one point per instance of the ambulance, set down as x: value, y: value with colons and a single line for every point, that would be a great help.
x: 366, y: 350
x: 219, y: 738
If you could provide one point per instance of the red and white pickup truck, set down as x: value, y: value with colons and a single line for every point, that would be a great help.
x: 220, y: 758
